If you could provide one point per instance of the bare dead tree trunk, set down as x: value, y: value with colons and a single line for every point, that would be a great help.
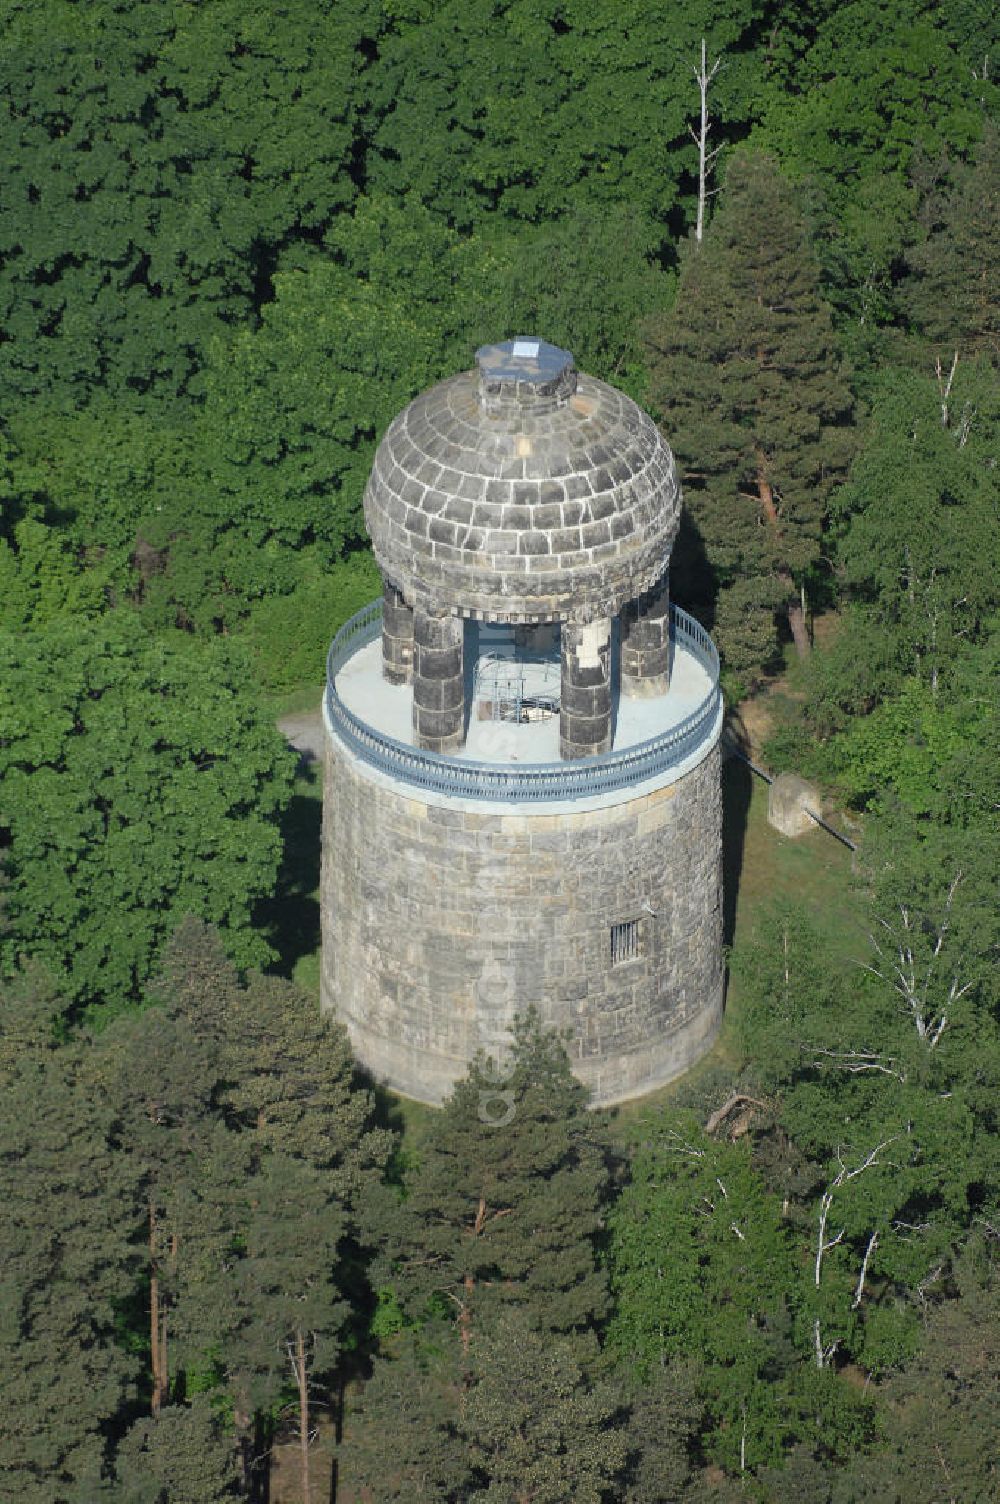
x: 825, y: 1353
x: 860, y: 1289
x: 797, y: 622
x: 944, y: 387
x: 465, y: 1319
x: 157, y: 1346
x: 823, y: 1243
x: 706, y: 158
x: 931, y: 990
x: 300, y: 1369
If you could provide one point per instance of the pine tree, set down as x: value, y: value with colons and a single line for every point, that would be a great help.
x: 491, y: 1254
x: 951, y: 290
x: 31, y: 1005
x: 540, y: 1427
x: 415, y: 1397
x: 314, y: 1161
x: 290, y: 1080
x: 284, y: 1308
x: 665, y: 1416
x: 271, y: 1155
x: 190, y: 1169
x: 746, y: 372
x: 183, y: 1456
x: 65, y: 1262
x: 517, y: 1413
x: 160, y: 1081
x: 505, y: 1203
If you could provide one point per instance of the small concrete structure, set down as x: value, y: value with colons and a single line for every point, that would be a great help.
x: 522, y: 774
x: 788, y: 799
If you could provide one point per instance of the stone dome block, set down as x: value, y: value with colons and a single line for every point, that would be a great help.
x: 523, y: 491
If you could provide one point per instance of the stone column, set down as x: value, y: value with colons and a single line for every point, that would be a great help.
x: 397, y: 636
x: 585, y: 694
x: 645, y: 660
x: 438, y: 681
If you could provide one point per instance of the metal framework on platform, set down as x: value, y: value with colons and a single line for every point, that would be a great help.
x: 466, y: 779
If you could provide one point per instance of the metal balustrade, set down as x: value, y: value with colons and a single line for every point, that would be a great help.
x: 527, y: 782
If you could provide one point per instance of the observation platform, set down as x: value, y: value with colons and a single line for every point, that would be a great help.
x: 514, y: 760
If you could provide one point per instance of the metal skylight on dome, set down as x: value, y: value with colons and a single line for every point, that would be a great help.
x: 524, y: 360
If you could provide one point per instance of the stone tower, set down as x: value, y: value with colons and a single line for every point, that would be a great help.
x: 522, y: 797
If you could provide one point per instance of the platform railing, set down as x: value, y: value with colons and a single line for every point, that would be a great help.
x: 526, y: 782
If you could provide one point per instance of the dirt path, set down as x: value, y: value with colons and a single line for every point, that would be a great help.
x: 305, y: 733
x: 751, y: 724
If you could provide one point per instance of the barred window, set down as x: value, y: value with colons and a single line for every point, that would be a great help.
x: 624, y: 941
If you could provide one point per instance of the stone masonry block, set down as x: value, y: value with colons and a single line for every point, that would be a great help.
x: 788, y: 798
x: 414, y: 920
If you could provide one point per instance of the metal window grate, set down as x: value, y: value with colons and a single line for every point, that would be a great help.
x: 624, y: 941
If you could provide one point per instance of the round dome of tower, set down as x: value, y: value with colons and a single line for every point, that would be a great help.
x: 523, y: 491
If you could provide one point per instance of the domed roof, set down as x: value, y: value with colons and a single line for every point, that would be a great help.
x: 523, y: 491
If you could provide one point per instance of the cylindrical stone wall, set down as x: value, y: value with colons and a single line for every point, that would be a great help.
x: 397, y: 636
x: 585, y: 689
x: 645, y: 643
x: 438, y: 681
x: 442, y: 919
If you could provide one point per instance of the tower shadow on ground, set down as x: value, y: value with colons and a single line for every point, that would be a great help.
x: 290, y: 917
x: 737, y: 792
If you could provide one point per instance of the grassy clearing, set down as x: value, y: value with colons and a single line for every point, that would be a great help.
x: 302, y: 701
x: 759, y: 867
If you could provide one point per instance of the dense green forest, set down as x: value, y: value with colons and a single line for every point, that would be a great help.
x: 234, y: 240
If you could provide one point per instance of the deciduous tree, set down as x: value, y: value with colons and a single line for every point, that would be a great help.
x: 527, y: 111
x: 141, y: 782
x: 160, y: 158
x: 700, y: 1264
x: 852, y: 97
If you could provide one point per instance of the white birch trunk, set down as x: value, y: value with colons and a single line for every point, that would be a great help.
x: 704, y: 75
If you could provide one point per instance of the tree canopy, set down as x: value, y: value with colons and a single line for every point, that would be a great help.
x: 142, y: 783
x: 747, y: 372
x: 235, y: 240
